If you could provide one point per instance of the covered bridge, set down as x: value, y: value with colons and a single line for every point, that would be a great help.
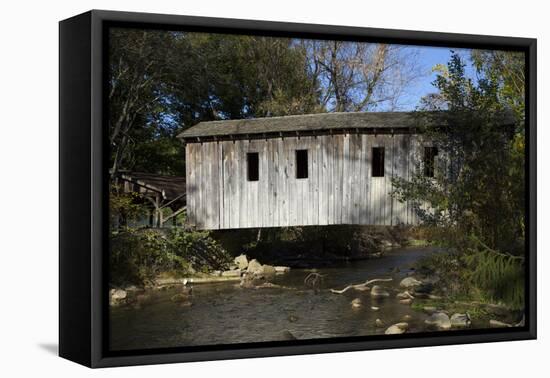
x: 318, y: 169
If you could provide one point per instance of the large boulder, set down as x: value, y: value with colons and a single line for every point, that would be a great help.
x: 409, y: 282
x: 118, y: 294
x: 379, y: 292
x: 241, y: 261
x: 498, y: 324
x: 247, y: 281
x: 268, y: 270
x: 460, y: 320
x: 254, y: 267
x: 397, y: 329
x: 438, y: 320
x: 117, y: 297
x: 404, y: 295
x: 282, y: 269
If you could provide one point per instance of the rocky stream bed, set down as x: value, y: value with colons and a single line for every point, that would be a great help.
x: 254, y: 302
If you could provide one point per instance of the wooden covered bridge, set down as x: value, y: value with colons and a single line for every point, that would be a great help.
x: 319, y: 169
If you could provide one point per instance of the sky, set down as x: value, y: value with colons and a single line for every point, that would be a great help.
x: 428, y: 57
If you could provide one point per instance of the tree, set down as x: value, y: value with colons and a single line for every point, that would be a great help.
x: 477, y: 197
x: 360, y: 76
x: 135, y: 73
x: 162, y: 82
x: 508, y: 70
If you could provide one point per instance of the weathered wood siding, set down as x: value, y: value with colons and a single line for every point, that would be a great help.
x: 339, y: 189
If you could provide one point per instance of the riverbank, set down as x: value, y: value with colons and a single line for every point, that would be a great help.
x: 248, y: 273
x: 141, y: 257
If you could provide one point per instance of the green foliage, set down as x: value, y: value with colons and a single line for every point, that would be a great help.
x: 139, y: 256
x: 200, y: 250
x: 451, y: 270
x: 478, y: 192
x: 124, y: 207
x: 501, y: 276
x: 479, y: 187
x: 508, y: 70
x: 162, y: 82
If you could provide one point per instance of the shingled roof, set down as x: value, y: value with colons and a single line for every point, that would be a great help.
x: 308, y: 123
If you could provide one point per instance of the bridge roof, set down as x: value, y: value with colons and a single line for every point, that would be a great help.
x: 308, y: 123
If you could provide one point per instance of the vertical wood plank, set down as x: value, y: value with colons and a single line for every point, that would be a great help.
x: 363, y: 181
x: 308, y: 205
x: 337, y: 188
x: 226, y: 219
x: 403, y: 159
x: 315, y: 183
x: 388, y: 142
x: 208, y: 184
x: 331, y: 161
x: 323, y: 181
x: 389, y: 199
x: 379, y: 184
x: 282, y: 183
x: 190, y: 183
x: 252, y: 190
x: 297, y: 193
x: 370, y: 187
x: 292, y: 197
x: 358, y: 179
x: 345, y: 180
x: 412, y: 171
x: 270, y: 220
x: 232, y: 178
x: 241, y: 146
x: 220, y: 185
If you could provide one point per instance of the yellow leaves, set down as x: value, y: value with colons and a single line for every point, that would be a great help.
x: 518, y: 144
x: 441, y: 69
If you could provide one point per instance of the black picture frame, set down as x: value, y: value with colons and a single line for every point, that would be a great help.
x: 83, y: 182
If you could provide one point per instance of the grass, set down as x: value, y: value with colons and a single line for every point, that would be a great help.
x: 418, y: 243
x: 476, y: 310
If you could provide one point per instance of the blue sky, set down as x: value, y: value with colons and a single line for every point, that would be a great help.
x: 428, y: 58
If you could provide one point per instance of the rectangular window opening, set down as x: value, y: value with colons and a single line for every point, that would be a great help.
x: 253, y: 170
x: 378, y: 154
x: 301, y: 164
x: 429, y: 161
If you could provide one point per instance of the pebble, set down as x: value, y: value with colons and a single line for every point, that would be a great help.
x: 397, y: 329
x: 356, y: 303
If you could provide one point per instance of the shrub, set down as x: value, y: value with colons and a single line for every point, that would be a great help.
x: 138, y: 256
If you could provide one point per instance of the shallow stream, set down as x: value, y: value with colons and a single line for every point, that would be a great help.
x: 222, y: 313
